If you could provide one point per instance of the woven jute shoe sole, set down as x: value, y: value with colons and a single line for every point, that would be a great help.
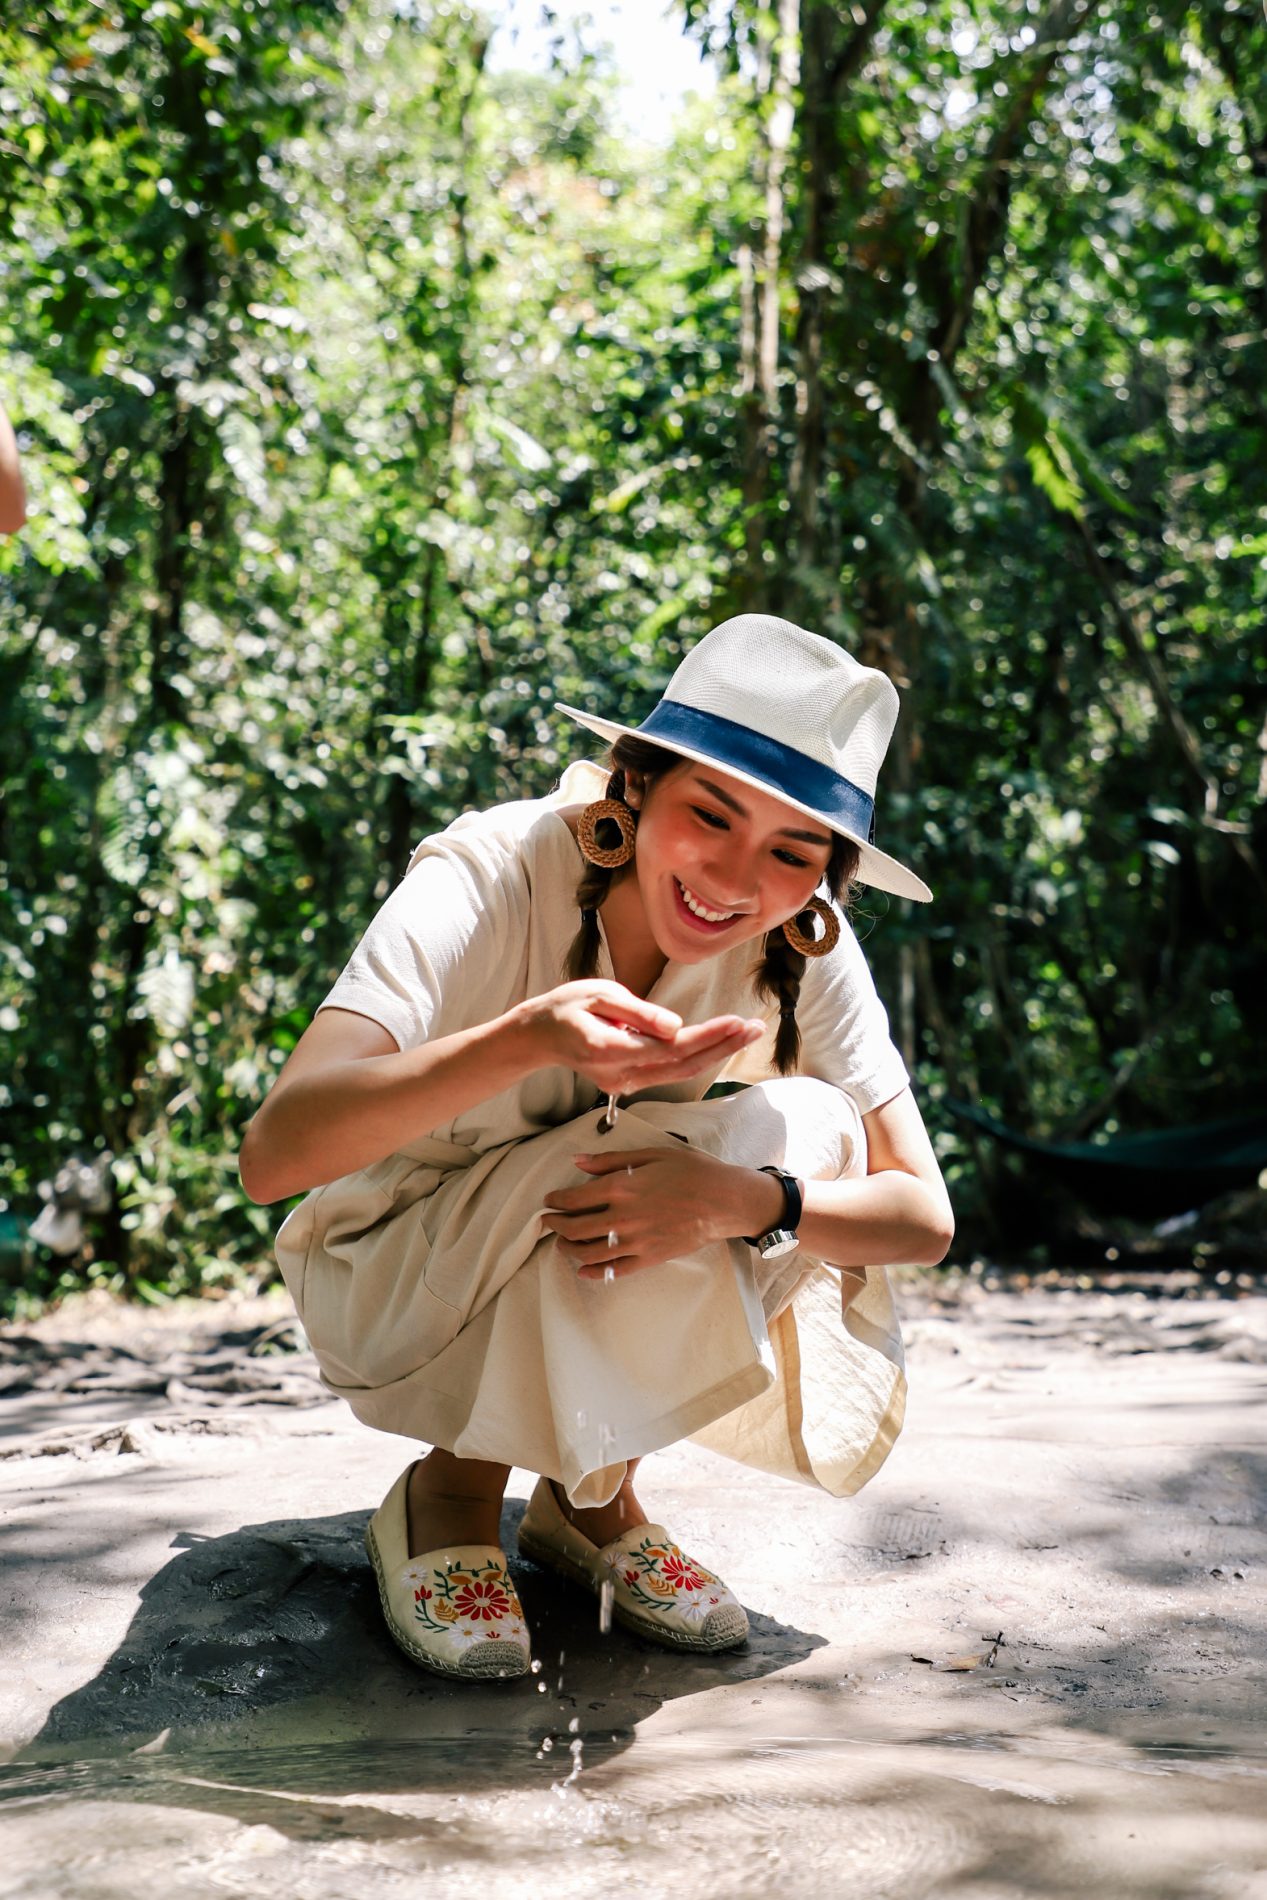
x: 729, y: 1626
x: 484, y: 1661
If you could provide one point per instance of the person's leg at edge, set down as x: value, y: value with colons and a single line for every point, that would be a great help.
x: 605, y: 1521
x: 458, y: 1501
x: 454, y: 1501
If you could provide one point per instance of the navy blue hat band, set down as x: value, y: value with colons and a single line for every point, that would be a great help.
x: 785, y: 770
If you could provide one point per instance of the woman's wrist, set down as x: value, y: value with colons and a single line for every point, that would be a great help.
x: 756, y: 1203
x: 523, y: 1040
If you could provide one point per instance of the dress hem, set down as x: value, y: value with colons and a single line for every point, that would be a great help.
x: 441, y: 1419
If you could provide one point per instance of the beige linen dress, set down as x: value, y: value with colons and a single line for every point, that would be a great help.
x: 434, y: 1303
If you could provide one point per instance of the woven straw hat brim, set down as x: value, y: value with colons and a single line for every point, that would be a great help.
x: 875, y: 867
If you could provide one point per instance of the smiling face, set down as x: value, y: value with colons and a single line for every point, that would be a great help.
x: 717, y: 862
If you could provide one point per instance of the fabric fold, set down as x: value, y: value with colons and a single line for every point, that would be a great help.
x: 439, y: 1310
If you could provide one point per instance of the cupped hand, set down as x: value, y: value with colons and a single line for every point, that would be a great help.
x: 621, y: 1043
x: 640, y: 1208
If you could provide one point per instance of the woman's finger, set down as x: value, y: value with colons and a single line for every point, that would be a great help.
x: 671, y: 1069
x: 649, y: 1062
x: 588, y: 1198
x: 613, y: 1269
x: 634, y: 1012
x: 617, y: 1161
x: 592, y: 1253
x: 693, y: 1054
x: 686, y: 1041
x: 586, y: 1224
x: 741, y: 1029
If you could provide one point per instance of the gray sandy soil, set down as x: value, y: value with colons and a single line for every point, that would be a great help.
x: 198, y: 1697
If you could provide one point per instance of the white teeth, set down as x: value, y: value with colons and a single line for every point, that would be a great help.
x: 693, y: 904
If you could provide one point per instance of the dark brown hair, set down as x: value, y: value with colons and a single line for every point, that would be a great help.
x: 778, y: 975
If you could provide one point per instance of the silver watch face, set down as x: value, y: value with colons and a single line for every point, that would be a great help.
x: 776, y: 1243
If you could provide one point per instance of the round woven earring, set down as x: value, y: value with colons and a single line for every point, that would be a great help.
x: 814, y: 946
x: 606, y: 811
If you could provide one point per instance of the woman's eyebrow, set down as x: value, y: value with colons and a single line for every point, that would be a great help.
x: 785, y: 831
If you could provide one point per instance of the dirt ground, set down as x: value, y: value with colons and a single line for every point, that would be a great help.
x: 1028, y: 1660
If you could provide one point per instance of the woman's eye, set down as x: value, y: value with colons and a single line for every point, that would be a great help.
x: 710, y: 817
x: 790, y: 857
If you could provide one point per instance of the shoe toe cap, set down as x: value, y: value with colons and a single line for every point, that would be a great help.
x: 504, y: 1659
x: 724, y: 1626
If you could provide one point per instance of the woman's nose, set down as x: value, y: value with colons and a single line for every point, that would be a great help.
x: 731, y: 881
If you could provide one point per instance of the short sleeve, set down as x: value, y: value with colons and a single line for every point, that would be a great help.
x: 845, y: 1027
x: 461, y: 909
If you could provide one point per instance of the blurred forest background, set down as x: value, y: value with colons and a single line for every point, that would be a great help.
x: 371, y: 397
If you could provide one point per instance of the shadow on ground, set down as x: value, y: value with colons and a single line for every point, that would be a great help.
x: 1083, y: 1478
x: 258, y: 1662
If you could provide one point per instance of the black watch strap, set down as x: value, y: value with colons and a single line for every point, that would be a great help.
x: 793, y: 1204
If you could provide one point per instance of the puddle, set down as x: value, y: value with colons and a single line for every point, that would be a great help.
x: 792, y: 1814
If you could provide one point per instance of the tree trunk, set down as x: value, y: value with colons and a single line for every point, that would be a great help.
x: 778, y: 61
x: 832, y: 51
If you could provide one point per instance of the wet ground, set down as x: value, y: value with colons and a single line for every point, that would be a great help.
x: 1028, y: 1660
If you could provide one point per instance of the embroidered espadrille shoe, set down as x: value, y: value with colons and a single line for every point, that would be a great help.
x: 455, y: 1611
x: 656, y: 1591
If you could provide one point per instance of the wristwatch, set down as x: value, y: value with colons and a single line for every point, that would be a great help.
x: 776, y: 1241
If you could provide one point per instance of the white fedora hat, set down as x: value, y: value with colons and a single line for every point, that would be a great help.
x: 788, y: 712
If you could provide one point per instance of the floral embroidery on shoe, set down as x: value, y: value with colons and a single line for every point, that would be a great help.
x: 483, y: 1600
x: 658, y: 1577
x: 680, y: 1571
x: 481, y: 1597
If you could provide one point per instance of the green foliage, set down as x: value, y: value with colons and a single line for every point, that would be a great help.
x: 1029, y: 256
x: 370, y: 401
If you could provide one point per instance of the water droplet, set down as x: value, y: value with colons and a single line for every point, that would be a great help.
x: 574, y: 1725
x: 606, y: 1591
x: 541, y: 1688
x: 547, y: 1745
x: 612, y: 1241
x: 609, y: 1274
x: 582, y: 1419
x: 536, y: 1665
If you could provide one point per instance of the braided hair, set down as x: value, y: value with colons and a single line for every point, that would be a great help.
x: 778, y: 975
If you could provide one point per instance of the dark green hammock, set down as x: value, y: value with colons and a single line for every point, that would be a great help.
x: 1149, y: 1176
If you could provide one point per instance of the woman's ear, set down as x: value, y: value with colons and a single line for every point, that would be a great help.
x: 635, y: 788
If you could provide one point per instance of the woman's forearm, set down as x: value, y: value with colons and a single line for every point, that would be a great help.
x: 874, y: 1220
x: 346, y: 1115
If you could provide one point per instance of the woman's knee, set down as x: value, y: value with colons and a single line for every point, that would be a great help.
x: 796, y: 1121
x: 824, y: 1126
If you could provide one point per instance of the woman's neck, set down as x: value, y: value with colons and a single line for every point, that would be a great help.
x: 637, y: 959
